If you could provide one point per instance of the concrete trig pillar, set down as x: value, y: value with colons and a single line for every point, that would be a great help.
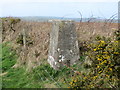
x: 63, y: 48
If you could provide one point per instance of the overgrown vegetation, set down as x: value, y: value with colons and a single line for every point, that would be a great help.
x: 40, y: 77
x: 20, y: 78
x: 104, y: 57
x: 8, y: 57
x: 14, y: 77
x: 100, y: 59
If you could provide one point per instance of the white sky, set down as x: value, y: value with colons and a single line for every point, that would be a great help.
x: 59, y: 8
x: 3, y: 1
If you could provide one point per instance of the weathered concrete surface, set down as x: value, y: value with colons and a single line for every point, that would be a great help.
x: 63, y: 48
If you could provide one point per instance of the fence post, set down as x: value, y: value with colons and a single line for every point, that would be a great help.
x: 24, y: 38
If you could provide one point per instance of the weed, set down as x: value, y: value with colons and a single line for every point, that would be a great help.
x: 9, y: 57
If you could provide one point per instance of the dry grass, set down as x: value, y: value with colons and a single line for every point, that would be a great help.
x: 39, y: 33
x: 86, y: 31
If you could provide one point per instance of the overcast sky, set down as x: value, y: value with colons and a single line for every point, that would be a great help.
x: 59, y: 8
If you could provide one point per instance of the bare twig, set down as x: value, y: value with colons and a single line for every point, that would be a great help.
x: 80, y: 16
x: 90, y: 19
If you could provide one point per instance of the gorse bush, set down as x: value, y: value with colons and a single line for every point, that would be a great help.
x: 104, y: 55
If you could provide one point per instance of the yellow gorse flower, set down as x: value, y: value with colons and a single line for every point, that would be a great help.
x: 71, y: 82
x: 116, y: 52
x: 75, y: 80
x: 105, y: 52
x: 95, y: 77
x: 101, y: 63
x: 104, y: 61
x: 116, y: 41
x: 102, y: 41
x: 85, y: 77
x: 106, y: 57
x: 94, y: 49
x: 99, y: 48
x: 110, y: 69
x: 98, y: 66
x: 99, y: 71
x: 107, y: 75
x: 99, y: 59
